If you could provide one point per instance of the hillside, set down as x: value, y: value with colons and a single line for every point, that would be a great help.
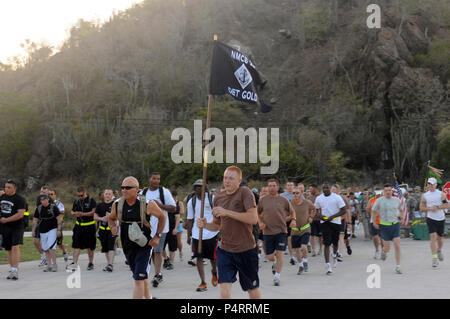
x: 352, y: 103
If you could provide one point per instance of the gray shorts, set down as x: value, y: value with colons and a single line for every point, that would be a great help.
x: 160, y: 247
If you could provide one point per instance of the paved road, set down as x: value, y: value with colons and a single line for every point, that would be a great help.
x: 348, y: 280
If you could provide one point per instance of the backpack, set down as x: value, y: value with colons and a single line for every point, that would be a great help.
x: 143, y: 211
x: 51, y: 208
x: 194, y: 200
x: 161, y: 194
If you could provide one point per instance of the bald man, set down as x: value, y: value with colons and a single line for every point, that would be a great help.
x: 138, y: 257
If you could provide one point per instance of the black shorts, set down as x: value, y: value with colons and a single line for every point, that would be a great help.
x: 84, y: 237
x: 139, y: 261
x: 354, y: 220
x: 12, y: 236
x: 246, y: 263
x: 288, y: 229
x: 316, y: 228
x: 298, y: 241
x: 107, y: 240
x: 436, y: 226
x: 330, y: 233
x: 209, y: 248
x: 172, y: 241
x: 275, y: 242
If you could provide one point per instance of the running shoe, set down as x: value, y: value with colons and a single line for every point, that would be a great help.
x: 276, y: 281
x: 334, y: 260
x: 13, y: 275
x: 72, y: 267
x: 328, y: 269
x: 440, y: 255
x: 66, y: 257
x: 377, y: 255
x: 319, y: 253
x: 43, y: 262
x: 383, y: 255
x: 166, y: 263
x: 214, y: 280
x: 90, y: 266
x: 309, y: 248
x: 169, y: 267
x: 339, y: 257
x: 202, y: 287
x: 265, y: 259
x: 349, y: 250
x: 108, y: 268
x: 192, y: 262
x: 300, y: 270
x: 313, y: 254
x: 205, y: 262
x: 435, y: 262
x: 273, y: 269
x: 181, y: 256
x: 305, y: 266
x: 48, y: 268
x: 292, y: 260
x: 157, y: 280
x: 398, y: 270
x: 54, y: 268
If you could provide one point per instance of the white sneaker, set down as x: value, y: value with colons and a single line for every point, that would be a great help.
x: 328, y: 269
x: 334, y: 260
x: 377, y: 255
x: 181, y: 256
x: 43, y: 262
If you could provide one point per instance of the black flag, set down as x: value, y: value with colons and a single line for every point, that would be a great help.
x: 234, y: 73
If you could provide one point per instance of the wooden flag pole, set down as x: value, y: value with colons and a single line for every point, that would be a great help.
x: 205, y: 167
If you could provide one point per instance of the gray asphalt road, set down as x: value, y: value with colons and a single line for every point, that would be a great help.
x: 349, y: 279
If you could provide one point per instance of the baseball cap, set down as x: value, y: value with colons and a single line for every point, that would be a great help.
x: 432, y: 180
x: 378, y: 192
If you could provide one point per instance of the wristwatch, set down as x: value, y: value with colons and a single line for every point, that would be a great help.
x: 158, y: 234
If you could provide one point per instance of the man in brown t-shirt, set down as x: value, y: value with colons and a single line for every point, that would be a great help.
x: 234, y: 215
x: 304, y: 212
x: 315, y: 225
x: 274, y: 211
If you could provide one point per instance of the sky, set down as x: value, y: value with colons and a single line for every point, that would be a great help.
x: 48, y: 21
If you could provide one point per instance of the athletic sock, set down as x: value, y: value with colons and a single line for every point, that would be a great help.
x: 14, y: 269
x: 277, y: 275
x: 434, y: 256
x: 304, y: 260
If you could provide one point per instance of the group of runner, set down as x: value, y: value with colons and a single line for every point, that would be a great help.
x: 239, y: 226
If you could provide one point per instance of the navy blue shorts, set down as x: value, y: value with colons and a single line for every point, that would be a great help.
x: 388, y: 233
x: 374, y: 231
x: 139, y: 261
x: 246, y: 263
x: 275, y: 242
x: 298, y: 241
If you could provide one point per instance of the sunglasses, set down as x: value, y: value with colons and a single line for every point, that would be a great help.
x: 296, y: 193
x: 127, y: 187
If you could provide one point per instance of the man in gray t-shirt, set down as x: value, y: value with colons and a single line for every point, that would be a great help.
x: 389, y: 209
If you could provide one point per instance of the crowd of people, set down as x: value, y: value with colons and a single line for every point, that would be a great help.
x: 240, y: 228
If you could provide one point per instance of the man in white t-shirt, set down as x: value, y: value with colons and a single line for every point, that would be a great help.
x: 163, y: 198
x: 433, y: 203
x: 209, y: 238
x: 330, y: 207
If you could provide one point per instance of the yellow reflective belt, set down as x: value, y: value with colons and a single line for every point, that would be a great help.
x: 104, y: 228
x: 388, y: 224
x: 301, y: 229
x: 26, y: 214
x: 86, y: 224
x: 326, y: 218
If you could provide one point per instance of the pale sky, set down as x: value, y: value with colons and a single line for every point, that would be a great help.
x: 48, y: 20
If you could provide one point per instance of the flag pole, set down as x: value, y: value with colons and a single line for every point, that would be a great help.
x: 205, y: 166
x: 426, y: 176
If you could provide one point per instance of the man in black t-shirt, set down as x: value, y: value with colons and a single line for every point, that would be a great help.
x: 84, y: 229
x: 12, y: 208
x: 107, y: 240
x: 138, y: 257
x: 45, y: 191
x: 50, y: 228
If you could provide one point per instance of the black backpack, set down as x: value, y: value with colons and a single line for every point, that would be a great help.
x: 161, y: 194
x: 194, y: 200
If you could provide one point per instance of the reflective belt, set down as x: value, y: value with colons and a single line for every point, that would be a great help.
x: 301, y: 229
x: 326, y: 218
x: 86, y: 224
x: 104, y: 228
x: 26, y: 214
x: 388, y: 224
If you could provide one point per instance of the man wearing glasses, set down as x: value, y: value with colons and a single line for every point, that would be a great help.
x: 12, y: 211
x: 128, y: 209
x: 84, y: 230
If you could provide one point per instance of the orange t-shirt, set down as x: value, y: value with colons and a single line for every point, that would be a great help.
x: 372, y: 203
